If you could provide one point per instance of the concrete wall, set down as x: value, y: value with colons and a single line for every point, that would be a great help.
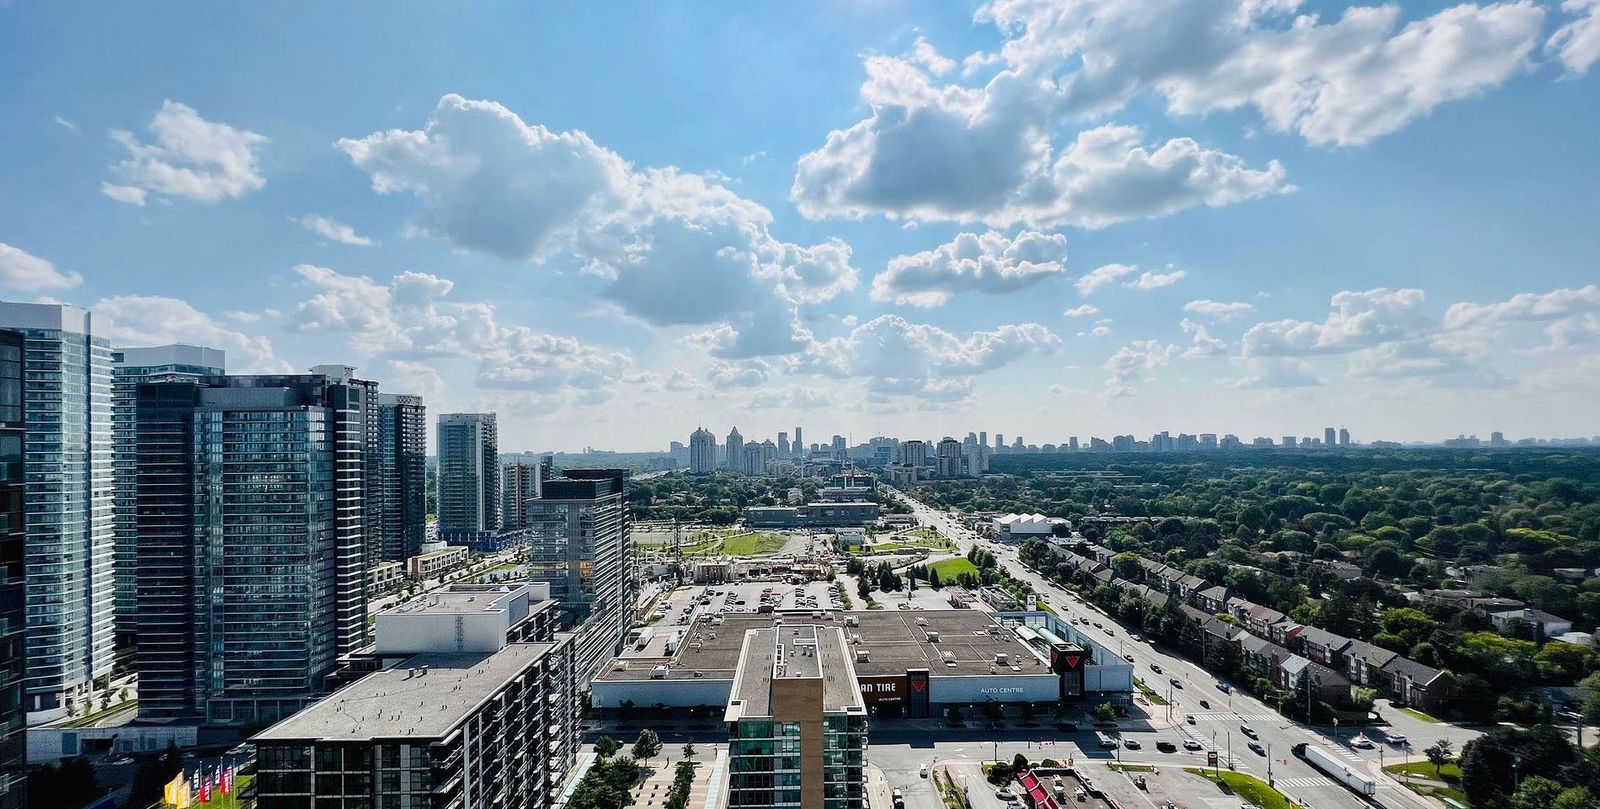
x: 481, y: 632
x: 49, y: 744
x: 673, y: 693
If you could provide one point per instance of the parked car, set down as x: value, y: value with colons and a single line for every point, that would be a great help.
x: 1131, y: 744
x: 1397, y: 739
x: 1005, y: 794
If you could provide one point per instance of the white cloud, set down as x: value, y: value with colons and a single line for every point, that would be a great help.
x: 1577, y: 43
x: 1132, y: 363
x: 753, y: 157
x: 898, y: 357
x: 792, y: 399
x: 65, y: 124
x: 923, y: 53
x: 124, y: 193
x: 410, y: 318
x: 150, y: 320
x: 1083, y: 310
x: 1527, y: 306
x: 1277, y: 372
x: 989, y: 263
x: 1220, y: 310
x: 1102, y: 276
x: 1347, y: 81
x: 1156, y: 280
x: 253, y: 317
x: 744, y: 374
x: 1201, y: 343
x: 20, y: 269
x: 1359, y: 320
x: 334, y: 231
x: 189, y: 157
x: 673, y: 248
x: 932, y: 152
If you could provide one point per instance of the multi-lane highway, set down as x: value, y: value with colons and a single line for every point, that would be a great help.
x: 1221, y: 726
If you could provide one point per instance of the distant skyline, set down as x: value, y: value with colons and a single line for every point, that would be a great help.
x: 611, y: 223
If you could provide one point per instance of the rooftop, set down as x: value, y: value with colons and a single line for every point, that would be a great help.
x: 893, y: 640
x: 793, y: 652
x: 425, y: 698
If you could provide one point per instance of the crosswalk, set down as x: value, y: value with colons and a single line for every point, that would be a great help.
x: 1217, y: 716
x: 1299, y: 783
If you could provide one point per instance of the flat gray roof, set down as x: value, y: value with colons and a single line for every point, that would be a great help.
x: 793, y: 651
x: 893, y: 640
x: 397, y: 703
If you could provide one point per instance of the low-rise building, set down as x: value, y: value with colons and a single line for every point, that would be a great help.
x: 432, y: 564
x: 1364, y: 661
x: 1326, y: 683
x: 1021, y: 527
x: 812, y: 515
x: 384, y: 578
x: 1324, y: 647
x: 1543, y: 623
x: 1411, y: 682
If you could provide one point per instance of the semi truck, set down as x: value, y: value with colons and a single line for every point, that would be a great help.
x: 1338, y: 770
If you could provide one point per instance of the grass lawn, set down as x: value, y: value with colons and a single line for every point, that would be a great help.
x: 226, y: 801
x: 1449, y: 773
x: 1416, y: 714
x: 1149, y: 693
x: 1249, y: 788
x: 753, y: 545
x: 1132, y: 767
x: 949, y: 569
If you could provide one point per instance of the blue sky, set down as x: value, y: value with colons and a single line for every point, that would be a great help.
x: 614, y: 222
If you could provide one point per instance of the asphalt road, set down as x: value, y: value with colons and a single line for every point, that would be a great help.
x: 1219, y: 727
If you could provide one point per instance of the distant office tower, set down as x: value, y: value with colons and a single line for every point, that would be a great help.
x: 1498, y: 439
x: 1329, y: 436
x: 469, y: 477
x: 581, y: 543
x: 13, y: 617
x: 799, y: 444
x: 399, y: 469
x: 733, y: 454
x: 999, y: 443
x: 520, y: 482
x: 783, y: 445
x: 750, y: 460
x: 252, y: 543
x: 949, y: 457
x: 841, y: 450
x: 1122, y: 443
x: 70, y: 552
x: 131, y: 367
x: 1288, y: 441
x: 702, y: 452
x: 769, y: 453
x: 1072, y: 443
x: 1344, y: 437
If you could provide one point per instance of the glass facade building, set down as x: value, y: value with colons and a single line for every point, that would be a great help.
x: 400, y: 469
x: 580, y: 540
x: 129, y: 368
x: 69, y: 592
x: 251, y: 494
x: 469, y: 478
x: 13, y: 535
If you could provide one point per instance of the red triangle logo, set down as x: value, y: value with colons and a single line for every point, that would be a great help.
x: 918, y: 685
x: 1072, y: 661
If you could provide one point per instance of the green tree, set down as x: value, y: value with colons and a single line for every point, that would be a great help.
x: 1439, y: 754
x: 606, y: 747
x: 933, y: 580
x: 647, y: 746
x: 1104, y: 712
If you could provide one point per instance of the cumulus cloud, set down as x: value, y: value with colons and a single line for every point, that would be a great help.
x: 150, y: 320
x: 898, y: 357
x: 1344, y: 81
x: 1156, y: 280
x: 1220, y: 310
x: 20, y: 269
x: 1577, y: 43
x: 1277, y: 372
x: 188, y: 156
x: 1358, y: 320
x: 1201, y: 343
x: 1132, y: 362
x: 989, y: 262
x: 672, y: 248
x: 951, y: 153
x: 1102, y: 276
x: 1084, y: 310
x: 410, y: 318
x: 334, y: 231
x: 1572, y: 315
